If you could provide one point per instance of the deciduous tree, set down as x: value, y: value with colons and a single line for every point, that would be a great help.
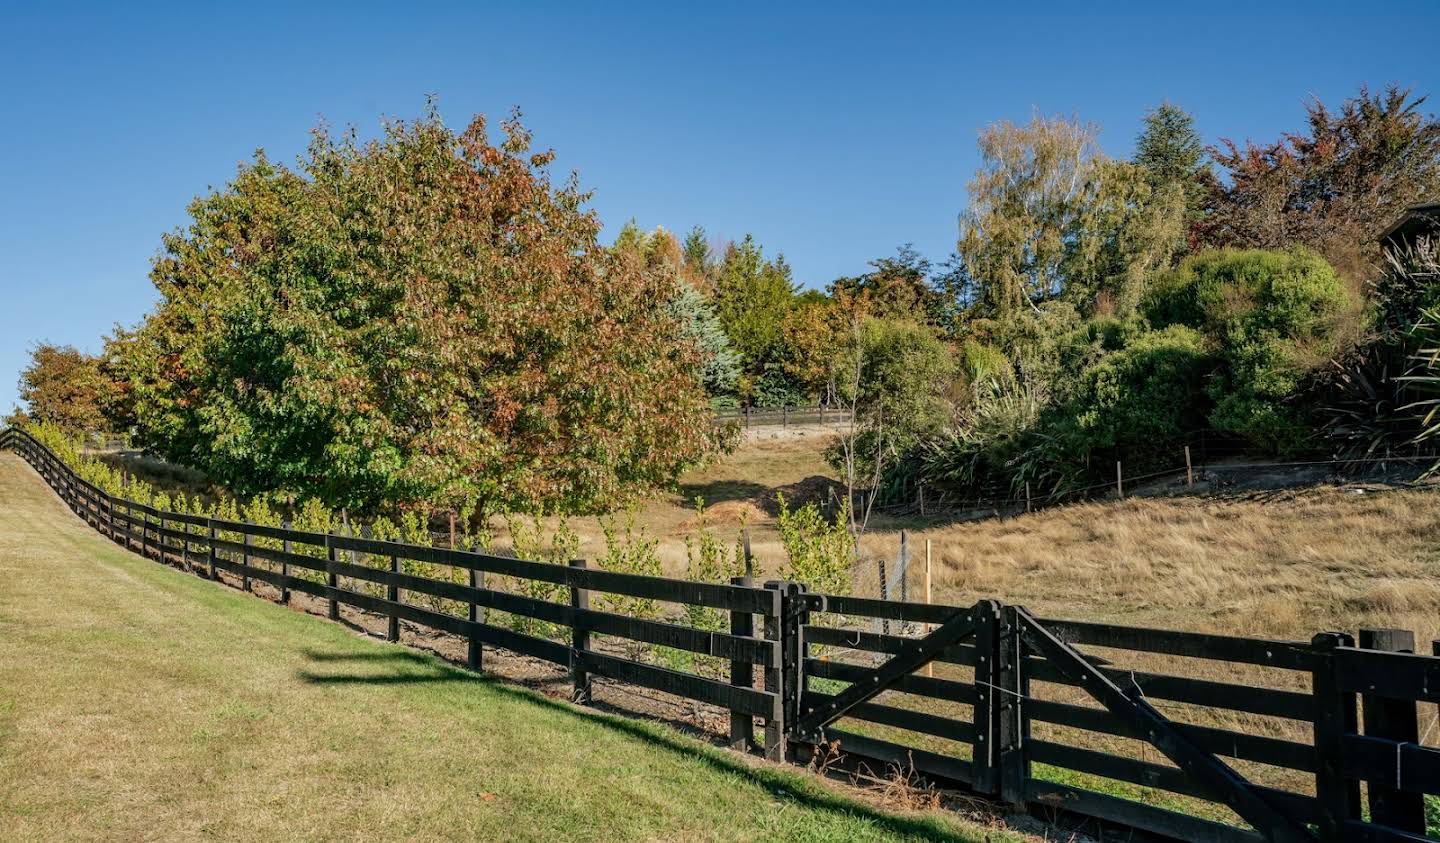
x: 421, y: 318
x: 65, y: 387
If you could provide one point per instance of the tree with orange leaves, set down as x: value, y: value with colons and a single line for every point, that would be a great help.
x: 422, y: 318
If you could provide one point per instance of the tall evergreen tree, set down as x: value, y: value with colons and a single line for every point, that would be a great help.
x: 1170, y: 152
x: 696, y: 251
x: 753, y: 297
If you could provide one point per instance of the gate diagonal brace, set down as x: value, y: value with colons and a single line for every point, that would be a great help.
x: 910, y: 658
x: 1224, y: 783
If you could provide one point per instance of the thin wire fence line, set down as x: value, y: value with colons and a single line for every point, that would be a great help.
x: 941, y: 504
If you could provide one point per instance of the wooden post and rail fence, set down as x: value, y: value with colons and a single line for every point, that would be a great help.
x: 969, y: 702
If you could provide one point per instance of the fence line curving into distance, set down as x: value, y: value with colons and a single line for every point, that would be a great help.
x: 1181, y: 735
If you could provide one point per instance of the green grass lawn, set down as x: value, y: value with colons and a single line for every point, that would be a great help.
x: 138, y: 702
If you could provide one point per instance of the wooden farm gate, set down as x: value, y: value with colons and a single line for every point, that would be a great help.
x: 1249, y: 740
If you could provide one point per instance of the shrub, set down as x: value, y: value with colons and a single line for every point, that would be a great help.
x: 528, y: 541
x: 820, y: 553
x: 707, y: 559
x: 1272, y: 317
x: 630, y: 549
x: 1150, y: 391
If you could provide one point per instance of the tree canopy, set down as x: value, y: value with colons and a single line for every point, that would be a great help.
x: 420, y: 318
x: 66, y: 387
x: 1333, y: 186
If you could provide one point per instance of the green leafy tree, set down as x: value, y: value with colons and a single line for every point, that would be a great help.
x: 1132, y: 230
x: 699, y: 258
x: 814, y: 339
x: 661, y: 254
x: 1025, y: 203
x: 1274, y: 317
x: 896, y: 288
x: 898, y: 377
x: 753, y: 298
x: 65, y: 387
x: 421, y: 318
x: 1050, y: 215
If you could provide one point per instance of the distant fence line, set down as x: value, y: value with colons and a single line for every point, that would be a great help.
x: 1198, y: 456
x: 995, y: 698
x: 785, y: 416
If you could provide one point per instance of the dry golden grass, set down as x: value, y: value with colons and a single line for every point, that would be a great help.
x: 1276, y: 564
x: 1285, y: 564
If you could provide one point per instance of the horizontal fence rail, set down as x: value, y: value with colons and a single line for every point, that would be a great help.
x: 1287, y: 730
x: 322, y: 565
x: 1181, y: 735
x: 785, y: 416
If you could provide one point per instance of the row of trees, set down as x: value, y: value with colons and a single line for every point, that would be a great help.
x: 427, y: 319
x: 1107, y: 308
x: 422, y: 319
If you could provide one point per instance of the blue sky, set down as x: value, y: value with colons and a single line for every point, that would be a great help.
x: 833, y: 132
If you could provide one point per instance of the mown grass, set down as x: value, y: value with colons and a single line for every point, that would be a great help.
x: 142, y: 703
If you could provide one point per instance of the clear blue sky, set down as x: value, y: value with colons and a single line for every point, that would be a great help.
x: 832, y: 132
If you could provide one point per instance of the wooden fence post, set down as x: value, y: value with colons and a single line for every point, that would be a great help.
x: 1119, y: 480
x: 331, y: 580
x: 1189, y: 471
x: 392, y: 593
x: 1395, y: 720
x: 742, y: 673
x: 985, y: 761
x: 775, y: 674
x: 579, y: 641
x: 285, y: 567
x: 1338, y: 798
x: 929, y: 666
x: 473, y: 653
x: 1012, y: 725
x: 884, y: 593
x: 210, y: 524
x: 245, y: 560
x: 160, y: 537
x: 794, y: 616
x: 904, y: 566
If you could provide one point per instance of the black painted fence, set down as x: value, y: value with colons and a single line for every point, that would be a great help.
x: 1282, y: 733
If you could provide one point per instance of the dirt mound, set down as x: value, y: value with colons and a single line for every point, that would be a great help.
x: 727, y: 513
x: 816, y: 488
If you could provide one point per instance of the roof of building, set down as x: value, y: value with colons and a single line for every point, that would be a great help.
x: 1416, y: 219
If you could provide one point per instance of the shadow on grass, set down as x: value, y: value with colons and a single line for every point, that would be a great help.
x: 788, y: 785
x: 720, y: 491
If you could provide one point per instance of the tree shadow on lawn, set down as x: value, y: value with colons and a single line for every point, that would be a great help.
x: 721, y: 491
x: 407, y: 667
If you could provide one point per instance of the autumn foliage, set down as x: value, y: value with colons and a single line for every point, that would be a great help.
x: 420, y: 318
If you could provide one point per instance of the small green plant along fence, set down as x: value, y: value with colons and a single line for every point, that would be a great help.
x: 1174, y: 735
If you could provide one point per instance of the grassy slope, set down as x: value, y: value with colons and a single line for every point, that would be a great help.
x: 139, y: 702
